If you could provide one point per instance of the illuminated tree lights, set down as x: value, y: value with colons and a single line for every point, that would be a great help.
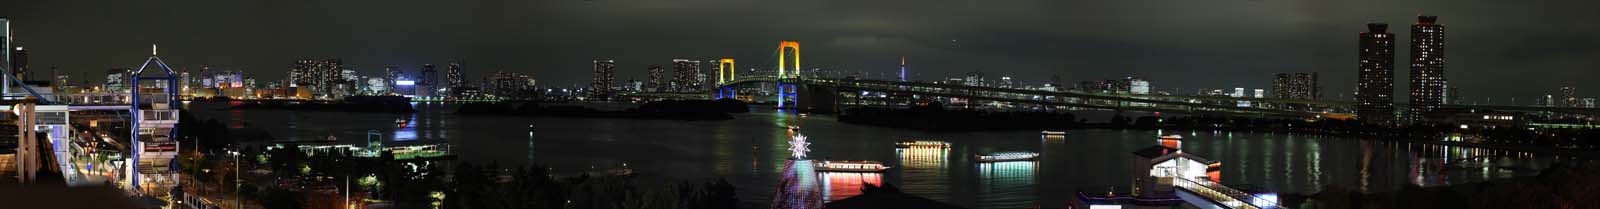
x: 798, y: 146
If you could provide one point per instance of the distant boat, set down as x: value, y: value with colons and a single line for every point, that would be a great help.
x: 851, y: 166
x: 1007, y: 156
x: 1053, y: 133
x: 922, y: 144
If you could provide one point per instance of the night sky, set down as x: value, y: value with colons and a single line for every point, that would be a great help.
x: 1494, y: 48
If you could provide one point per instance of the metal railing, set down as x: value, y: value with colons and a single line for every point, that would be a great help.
x: 1224, y: 195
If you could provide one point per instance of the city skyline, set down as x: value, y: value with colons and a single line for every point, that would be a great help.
x: 1314, y: 38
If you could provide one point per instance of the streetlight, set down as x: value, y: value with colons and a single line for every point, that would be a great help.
x: 237, y: 203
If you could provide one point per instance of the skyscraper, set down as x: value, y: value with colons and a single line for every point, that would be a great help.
x: 604, y: 74
x: 1375, y: 80
x: 653, y: 84
x: 1427, y: 66
x: 429, y: 75
x: 1569, y: 97
x: 456, y: 78
x: 685, y: 75
x: 427, y: 81
x: 391, y: 74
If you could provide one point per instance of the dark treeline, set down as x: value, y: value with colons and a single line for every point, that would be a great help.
x: 373, y: 104
x: 679, y: 110
x: 1563, y: 185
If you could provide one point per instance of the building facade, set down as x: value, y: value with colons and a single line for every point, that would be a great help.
x: 1569, y: 97
x: 1296, y: 86
x: 455, y: 78
x: 319, y: 75
x: 654, y: 83
x: 1375, y: 78
x: 686, y: 74
x: 1427, y: 67
x: 603, y: 85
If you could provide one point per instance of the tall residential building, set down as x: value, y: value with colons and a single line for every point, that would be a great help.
x: 1427, y: 66
x: 604, y: 75
x: 428, y: 76
x: 686, y: 75
x: 1375, y: 80
x: 320, y: 75
x: 391, y: 74
x: 1296, y: 86
x: 456, y: 79
x: 1569, y: 97
x: 427, y: 80
x: 654, y: 83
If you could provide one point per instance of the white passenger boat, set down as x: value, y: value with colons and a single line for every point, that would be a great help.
x: 922, y: 144
x: 1007, y: 156
x: 851, y: 166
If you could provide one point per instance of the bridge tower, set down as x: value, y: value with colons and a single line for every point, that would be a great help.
x: 725, y: 73
x: 786, y: 89
x: 154, y: 126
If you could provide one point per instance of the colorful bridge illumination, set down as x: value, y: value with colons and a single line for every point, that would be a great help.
x: 782, y: 70
x: 725, y: 70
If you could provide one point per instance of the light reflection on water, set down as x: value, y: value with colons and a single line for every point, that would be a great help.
x: 1007, y: 184
x: 925, y: 171
x: 749, y: 151
x: 840, y: 185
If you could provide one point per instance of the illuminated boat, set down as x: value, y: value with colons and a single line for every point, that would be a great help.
x: 851, y: 166
x: 922, y: 144
x: 1007, y: 156
x: 1053, y: 133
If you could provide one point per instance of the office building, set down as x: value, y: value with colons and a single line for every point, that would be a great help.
x: 1427, y: 66
x: 604, y: 75
x: 1375, y: 80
